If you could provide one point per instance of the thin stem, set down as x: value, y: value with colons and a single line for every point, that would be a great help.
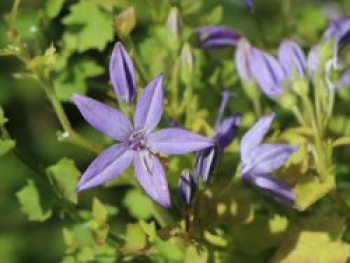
x: 340, y: 202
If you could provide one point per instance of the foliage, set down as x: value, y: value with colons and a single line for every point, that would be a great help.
x: 53, y: 49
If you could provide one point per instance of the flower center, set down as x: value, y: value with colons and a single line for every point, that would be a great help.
x: 137, y: 140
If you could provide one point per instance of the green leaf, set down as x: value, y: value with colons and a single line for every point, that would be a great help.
x: 53, y: 7
x: 6, y: 145
x: 315, y: 239
x: 135, y: 238
x: 149, y: 229
x: 341, y: 141
x: 92, y: 27
x: 31, y: 203
x: 138, y: 204
x: 170, y: 250
x: 64, y: 175
x: 99, y: 212
x: 3, y: 119
x: 74, y: 80
x: 310, y: 189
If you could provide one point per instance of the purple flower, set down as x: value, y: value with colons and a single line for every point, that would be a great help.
x: 339, y: 30
x: 217, y: 37
x: 250, y: 3
x: 243, y: 59
x: 225, y: 132
x: 292, y: 59
x: 259, y: 160
x: 138, y: 142
x: 187, y: 187
x: 121, y: 71
x: 268, y: 73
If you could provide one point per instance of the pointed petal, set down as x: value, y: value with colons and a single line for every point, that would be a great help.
x: 225, y: 97
x: 242, y: 60
x: 107, y: 166
x: 103, y: 118
x: 121, y: 71
x: 292, y: 58
x: 150, y: 174
x: 266, y: 158
x: 149, y: 108
x: 254, y: 136
x: 177, y: 141
x: 206, y: 161
x: 281, y: 191
x: 187, y: 187
x: 268, y: 73
x: 227, y: 130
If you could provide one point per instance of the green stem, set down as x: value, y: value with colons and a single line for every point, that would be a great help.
x: 340, y: 202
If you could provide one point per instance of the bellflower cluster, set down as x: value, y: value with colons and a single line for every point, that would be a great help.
x: 225, y: 131
x: 213, y: 37
x: 138, y: 142
x: 259, y: 160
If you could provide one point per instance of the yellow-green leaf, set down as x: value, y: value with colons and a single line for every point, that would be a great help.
x: 31, y: 203
x: 64, y: 175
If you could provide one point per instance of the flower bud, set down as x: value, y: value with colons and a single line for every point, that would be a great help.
x: 187, y: 63
x: 187, y: 187
x: 268, y: 73
x: 206, y: 161
x: 292, y: 59
x: 174, y: 22
x: 217, y: 37
x: 121, y: 71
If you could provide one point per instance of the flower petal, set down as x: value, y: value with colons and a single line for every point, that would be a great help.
x: 103, y: 118
x: 107, y: 166
x: 121, y: 71
x: 266, y: 158
x: 187, y: 187
x: 254, y: 136
x: 149, y: 108
x: 225, y: 97
x: 281, y: 191
x: 268, y: 73
x: 291, y: 56
x: 227, y: 130
x: 150, y: 174
x: 206, y: 161
x: 177, y: 141
x: 242, y: 59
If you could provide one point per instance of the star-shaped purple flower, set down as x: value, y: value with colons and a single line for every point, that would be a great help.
x: 260, y: 159
x: 138, y: 142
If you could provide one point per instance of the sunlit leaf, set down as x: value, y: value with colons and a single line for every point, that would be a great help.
x: 31, y: 203
x: 138, y: 204
x: 6, y: 145
x: 64, y: 175
x: 95, y: 27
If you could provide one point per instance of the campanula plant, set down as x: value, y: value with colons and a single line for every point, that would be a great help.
x: 155, y: 180
x: 139, y: 143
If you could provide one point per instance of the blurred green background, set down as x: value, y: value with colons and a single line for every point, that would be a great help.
x: 84, y: 42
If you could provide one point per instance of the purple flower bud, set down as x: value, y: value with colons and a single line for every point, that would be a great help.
x: 338, y: 28
x: 243, y: 59
x: 268, y: 73
x: 217, y: 37
x: 187, y: 187
x: 250, y: 3
x: 292, y: 58
x: 227, y: 130
x: 121, y: 71
x: 206, y: 161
